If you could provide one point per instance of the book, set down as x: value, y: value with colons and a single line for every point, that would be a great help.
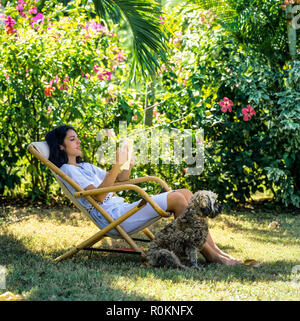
x: 129, y: 143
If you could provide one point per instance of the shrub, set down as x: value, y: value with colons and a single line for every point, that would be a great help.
x: 247, y: 105
x: 54, y: 69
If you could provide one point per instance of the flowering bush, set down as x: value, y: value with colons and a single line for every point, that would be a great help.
x: 232, y: 92
x: 56, y: 69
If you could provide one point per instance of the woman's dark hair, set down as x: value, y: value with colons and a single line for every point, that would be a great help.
x: 54, y: 139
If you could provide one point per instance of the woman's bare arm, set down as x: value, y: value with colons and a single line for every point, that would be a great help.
x: 109, y: 179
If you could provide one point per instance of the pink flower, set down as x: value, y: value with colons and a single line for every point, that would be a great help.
x: 39, y: 16
x: 120, y: 56
x: 108, y: 74
x: 32, y: 10
x: 226, y: 104
x: 65, y: 87
x: 37, y: 21
x: 19, y: 7
x: 9, y: 21
x: 134, y: 117
x: 98, y: 26
x: 104, y: 75
x: 248, y: 112
x: 161, y: 20
x: 96, y: 69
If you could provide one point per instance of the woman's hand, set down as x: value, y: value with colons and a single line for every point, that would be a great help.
x: 132, y: 160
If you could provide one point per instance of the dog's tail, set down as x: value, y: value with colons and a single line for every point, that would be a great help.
x: 164, y: 257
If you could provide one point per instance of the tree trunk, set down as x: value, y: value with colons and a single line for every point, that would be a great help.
x: 149, y: 101
x: 291, y: 32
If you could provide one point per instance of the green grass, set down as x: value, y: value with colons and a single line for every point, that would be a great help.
x: 31, y: 237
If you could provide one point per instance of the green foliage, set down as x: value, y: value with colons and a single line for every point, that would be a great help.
x: 208, y: 65
x: 61, y: 70
x: 258, y: 24
x: 71, y: 69
x: 149, y: 46
x: 285, y: 135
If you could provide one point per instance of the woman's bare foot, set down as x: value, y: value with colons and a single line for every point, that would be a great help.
x: 213, y: 256
x: 227, y: 256
x: 214, y: 248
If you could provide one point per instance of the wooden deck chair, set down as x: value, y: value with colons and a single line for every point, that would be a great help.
x: 41, y: 151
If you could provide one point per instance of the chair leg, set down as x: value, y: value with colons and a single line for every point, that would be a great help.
x: 98, y: 236
x: 87, y: 243
x: 149, y: 233
x: 67, y: 254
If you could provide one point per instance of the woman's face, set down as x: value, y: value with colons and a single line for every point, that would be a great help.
x: 72, y: 144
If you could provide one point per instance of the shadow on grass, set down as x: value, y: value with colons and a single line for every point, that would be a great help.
x: 95, y: 276
x: 79, y: 279
x: 99, y: 276
x: 279, y: 270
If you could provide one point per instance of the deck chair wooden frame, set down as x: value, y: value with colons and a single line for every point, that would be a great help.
x: 41, y: 151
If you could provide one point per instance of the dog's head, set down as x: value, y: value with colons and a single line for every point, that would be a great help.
x: 206, y: 203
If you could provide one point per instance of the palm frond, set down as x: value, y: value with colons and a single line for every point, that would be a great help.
x: 143, y: 18
x: 225, y: 11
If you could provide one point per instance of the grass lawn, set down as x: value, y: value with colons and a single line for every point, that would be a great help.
x: 31, y: 237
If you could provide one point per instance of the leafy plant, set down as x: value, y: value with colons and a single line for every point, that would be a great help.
x: 54, y: 70
x: 242, y: 98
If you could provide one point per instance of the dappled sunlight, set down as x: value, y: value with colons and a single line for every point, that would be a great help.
x: 205, y: 96
x: 30, y: 245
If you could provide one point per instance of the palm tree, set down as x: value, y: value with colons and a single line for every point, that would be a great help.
x: 257, y: 23
x: 143, y: 17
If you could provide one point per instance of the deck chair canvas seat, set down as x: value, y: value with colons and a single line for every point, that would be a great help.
x: 41, y: 151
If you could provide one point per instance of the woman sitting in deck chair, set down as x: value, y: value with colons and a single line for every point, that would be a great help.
x: 65, y: 153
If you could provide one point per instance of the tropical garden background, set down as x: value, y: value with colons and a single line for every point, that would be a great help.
x: 229, y: 67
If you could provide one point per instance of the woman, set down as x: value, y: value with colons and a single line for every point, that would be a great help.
x: 65, y: 152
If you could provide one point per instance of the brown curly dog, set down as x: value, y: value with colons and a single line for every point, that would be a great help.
x: 186, y: 235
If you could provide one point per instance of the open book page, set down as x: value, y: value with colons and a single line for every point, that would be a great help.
x: 129, y: 143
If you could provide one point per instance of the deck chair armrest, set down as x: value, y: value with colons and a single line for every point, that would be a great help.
x: 146, y: 179
x: 115, y: 188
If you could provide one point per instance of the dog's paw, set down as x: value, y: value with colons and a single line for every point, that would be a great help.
x: 195, y: 267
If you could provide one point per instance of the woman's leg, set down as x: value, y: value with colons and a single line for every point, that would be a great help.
x: 177, y: 201
x: 212, y: 244
x: 213, y: 256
